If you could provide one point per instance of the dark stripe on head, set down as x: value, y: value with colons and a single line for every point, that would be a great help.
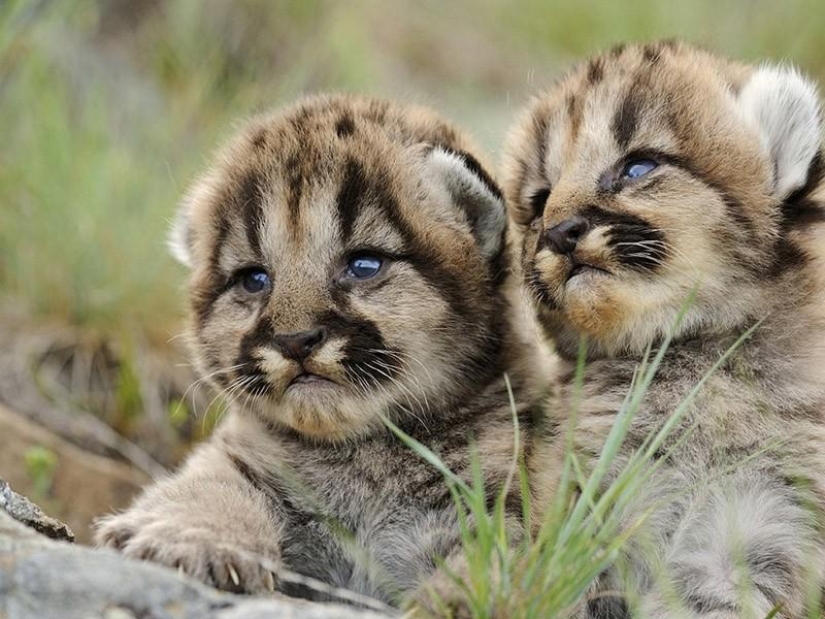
x: 438, y: 276
x: 354, y: 188
x: 541, y: 129
x: 652, y: 53
x: 626, y: 119
x: 345, y: 126
x: 251, y: 206
x: 787, y: 256
x: 618, y: 50
x: 595, y: 71
x: 205, y: 295
x: 294, y: 174
x: 800, y: 210
x: 575, y: 107
x: 260, y: 139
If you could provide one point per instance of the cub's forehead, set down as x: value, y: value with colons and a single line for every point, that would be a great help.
x: 329, y: 170
x: 315, y: 130
x: 658, y: 96
x: 325, y: 141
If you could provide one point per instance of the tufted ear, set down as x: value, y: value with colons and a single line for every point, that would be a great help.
x: 475, y: 193
x: 785, y: 107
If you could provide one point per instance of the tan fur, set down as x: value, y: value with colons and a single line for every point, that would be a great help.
x: 733, y: 210
x: 297, y: 467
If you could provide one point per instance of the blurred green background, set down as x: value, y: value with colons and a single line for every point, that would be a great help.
x: 107, y: 110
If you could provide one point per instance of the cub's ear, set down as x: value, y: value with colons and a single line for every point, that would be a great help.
x: 475, y: 193
x: 785, y: 107
x: 179, y: 239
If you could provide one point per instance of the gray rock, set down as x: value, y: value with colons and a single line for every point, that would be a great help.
x: 43, y: 579
x: 23, y: 510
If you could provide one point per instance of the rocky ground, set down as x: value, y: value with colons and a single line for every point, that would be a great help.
x: 43, y: 575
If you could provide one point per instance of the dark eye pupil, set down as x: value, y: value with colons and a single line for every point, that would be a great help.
x: 364, y: 267
x: 638, y: 168
x: 255, y: 280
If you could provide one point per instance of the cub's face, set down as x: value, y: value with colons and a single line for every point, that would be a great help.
x: 344, y: 261
x: 653, y: 172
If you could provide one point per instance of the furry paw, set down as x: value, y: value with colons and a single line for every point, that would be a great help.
x: 220, y: 558
x: 439, y: 597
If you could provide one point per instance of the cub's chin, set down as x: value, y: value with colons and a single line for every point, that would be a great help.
x: 614, y: 310
x: 321, y: 409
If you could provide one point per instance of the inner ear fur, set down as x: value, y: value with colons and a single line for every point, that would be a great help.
x: 785, y: 108
x: 475, y: 193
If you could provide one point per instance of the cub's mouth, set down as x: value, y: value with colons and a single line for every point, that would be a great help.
x: 306, y: 379
x: 584, y: 268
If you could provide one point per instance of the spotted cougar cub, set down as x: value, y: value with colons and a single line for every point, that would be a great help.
x: 348, y: 266
x: 645, y: 174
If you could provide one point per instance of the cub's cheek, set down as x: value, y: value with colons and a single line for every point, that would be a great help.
x: 547, y: 273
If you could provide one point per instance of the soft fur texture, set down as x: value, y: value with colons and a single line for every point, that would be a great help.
x: 302, y: 471
x: 647, y: 173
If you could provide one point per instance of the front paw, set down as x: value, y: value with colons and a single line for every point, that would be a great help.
x: 221, y: 559
x: 439, y: 597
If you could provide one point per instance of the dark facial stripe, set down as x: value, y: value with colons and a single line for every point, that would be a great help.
x: 735, y: 208
x: 541, y: 293
x: 364, y: 356
x: 635, y: 243
x: 258, y: 337
x: 438, y: 276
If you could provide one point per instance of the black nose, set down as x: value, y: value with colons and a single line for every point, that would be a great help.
x: 299, y: 346
x: 563, y: 238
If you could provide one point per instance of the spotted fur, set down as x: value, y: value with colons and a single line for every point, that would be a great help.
x: 303, y: 470
x: 726, y: 199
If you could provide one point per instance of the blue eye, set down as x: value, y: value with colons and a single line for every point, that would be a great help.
x: 364, y: 267
x: 638, y: 168
x: 255, y: 280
